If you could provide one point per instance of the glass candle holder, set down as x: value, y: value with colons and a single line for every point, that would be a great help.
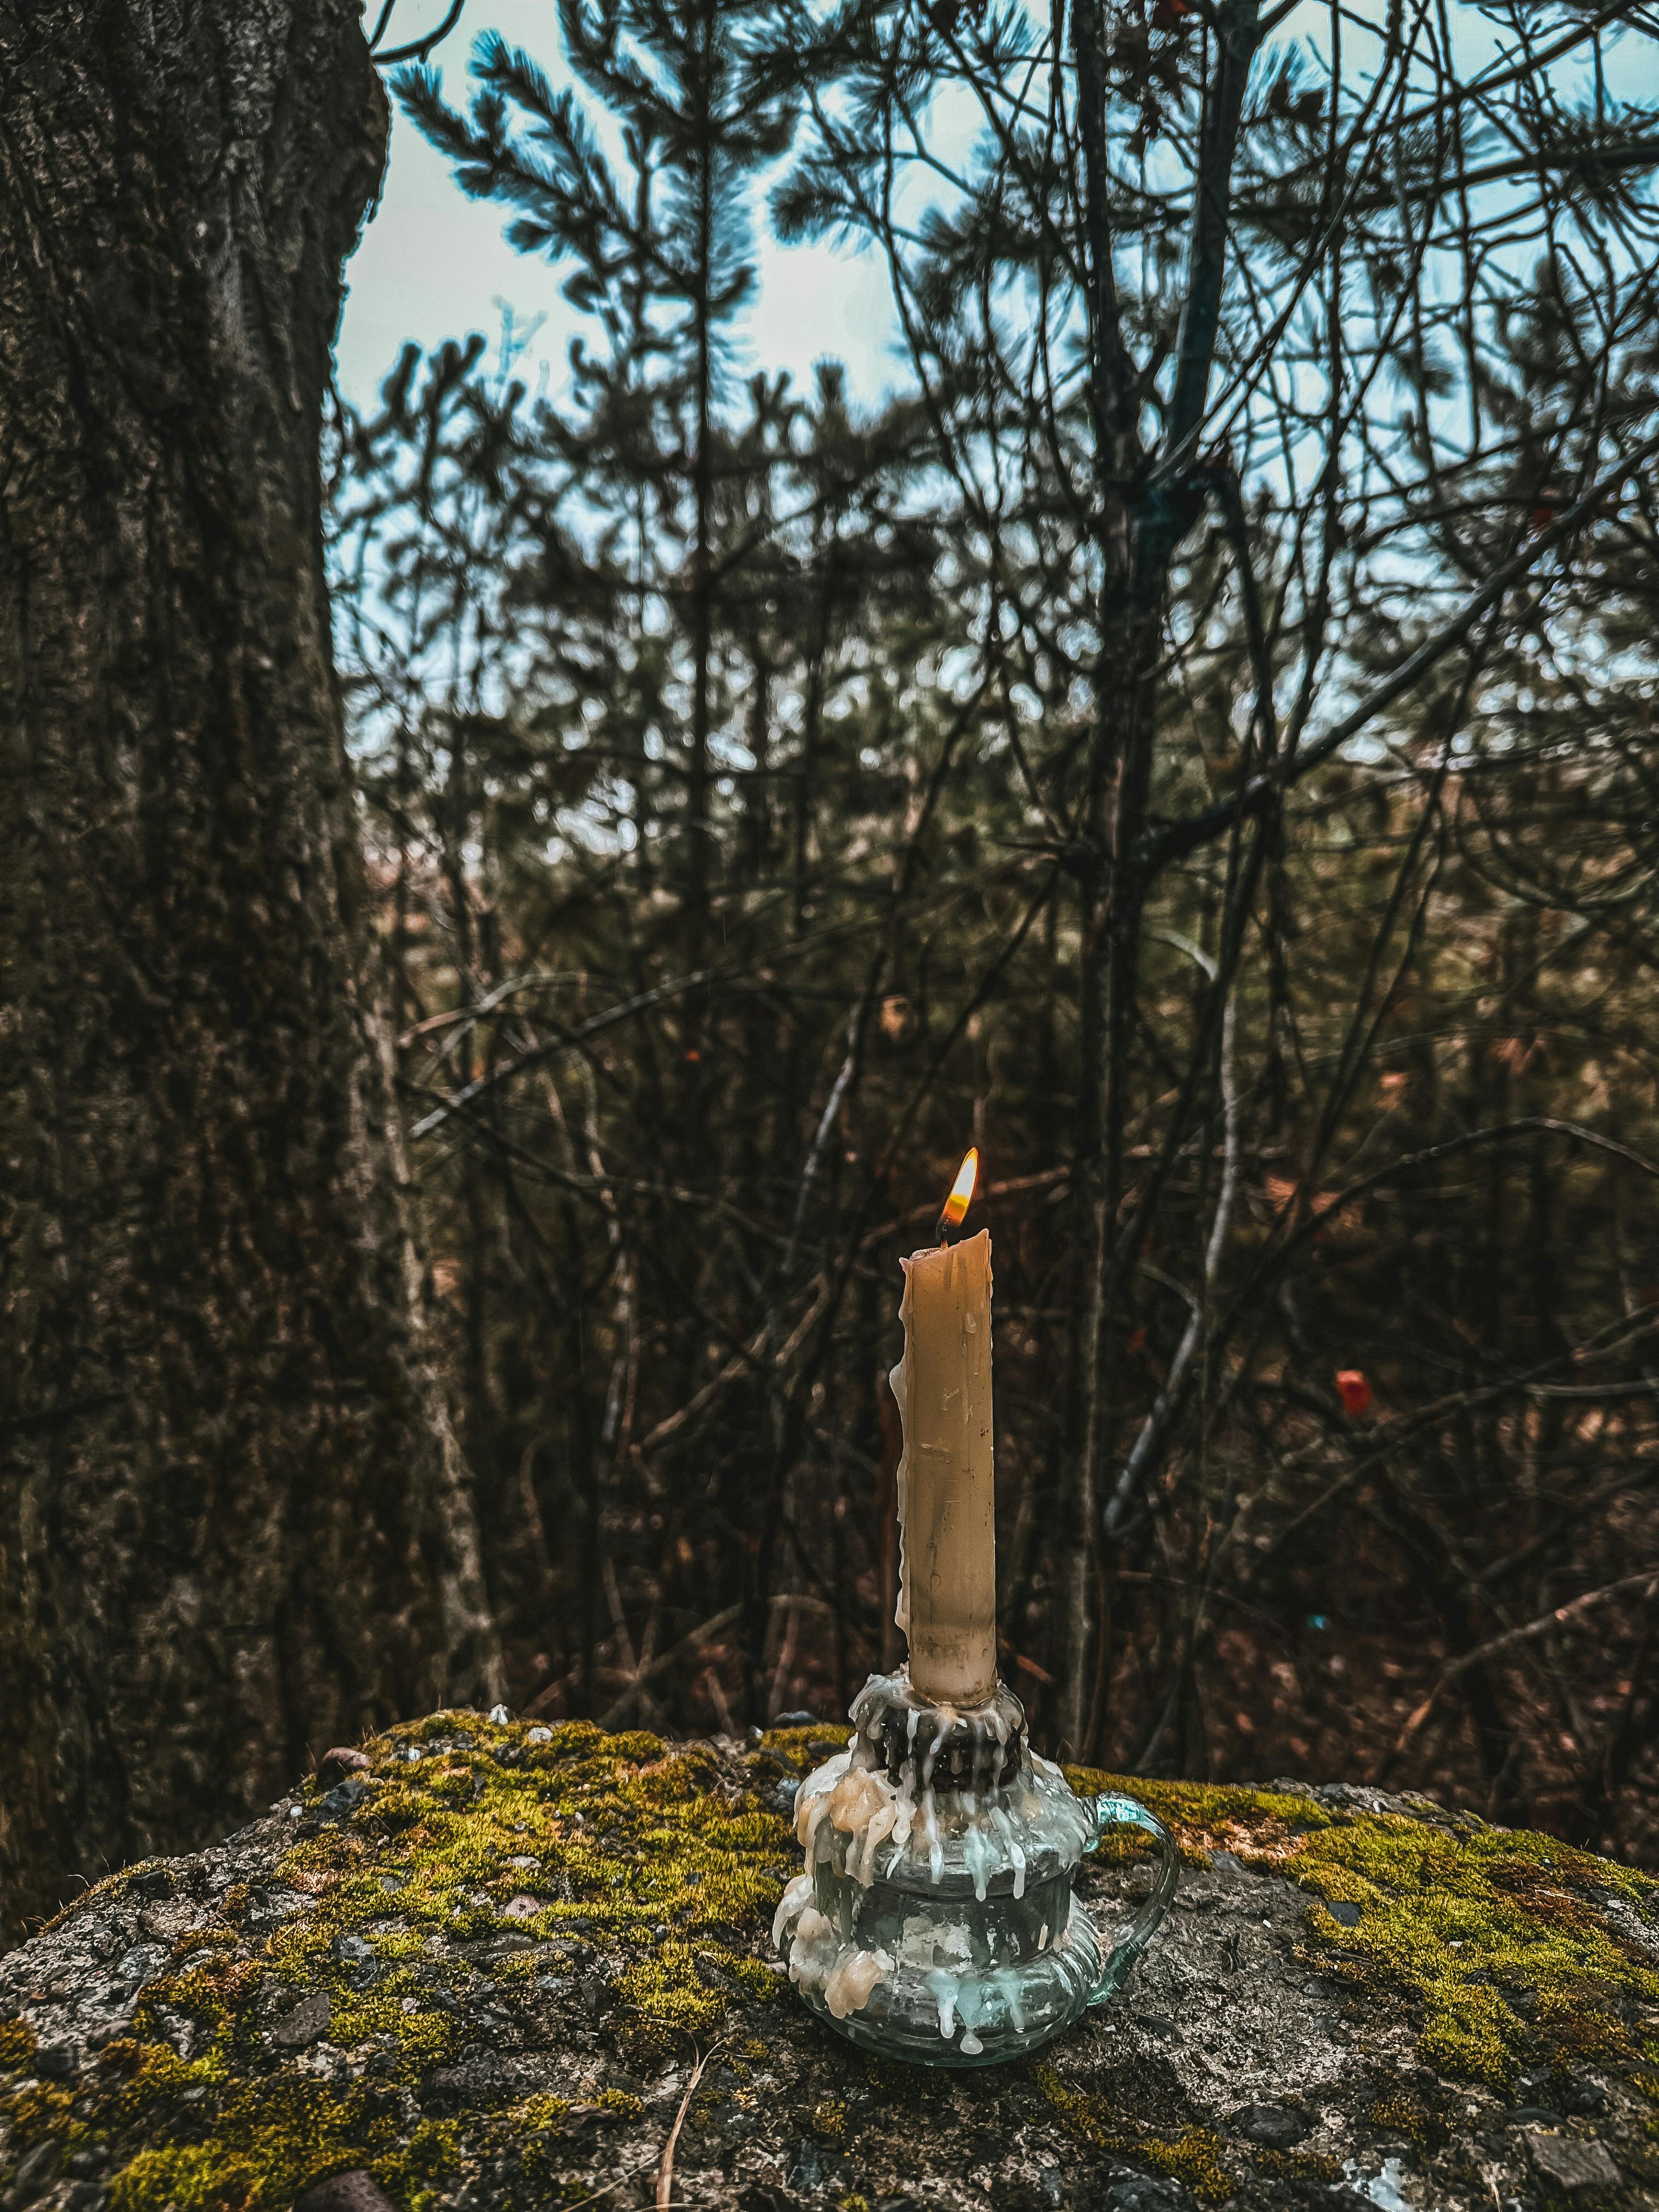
x: 937, y: 1918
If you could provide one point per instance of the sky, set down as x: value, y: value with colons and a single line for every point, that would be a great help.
x: 434, y: 264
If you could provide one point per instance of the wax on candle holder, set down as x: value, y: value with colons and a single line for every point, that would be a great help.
x: 936, y: 1917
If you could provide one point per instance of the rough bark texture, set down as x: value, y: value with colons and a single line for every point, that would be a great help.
x: 481, y: 1968
x: 231, y: 1510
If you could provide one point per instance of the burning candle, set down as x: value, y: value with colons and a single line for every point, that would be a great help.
x: 947, y: 1598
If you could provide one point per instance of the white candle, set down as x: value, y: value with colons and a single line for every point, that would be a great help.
x: 947, y: 1600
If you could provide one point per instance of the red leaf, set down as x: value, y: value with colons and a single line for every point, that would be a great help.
x: 1354, y: 1390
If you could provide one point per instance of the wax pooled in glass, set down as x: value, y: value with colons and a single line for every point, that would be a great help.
x: 935, y: 1918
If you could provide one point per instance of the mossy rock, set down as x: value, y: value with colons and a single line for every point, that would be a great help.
x: 480, y: 1973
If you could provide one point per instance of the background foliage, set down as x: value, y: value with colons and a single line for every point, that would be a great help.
x: 751, y: 773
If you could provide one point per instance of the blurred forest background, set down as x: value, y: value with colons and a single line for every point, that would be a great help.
x: 1230, y: 803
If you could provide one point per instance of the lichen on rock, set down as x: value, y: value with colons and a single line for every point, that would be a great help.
x: 481, y: 1969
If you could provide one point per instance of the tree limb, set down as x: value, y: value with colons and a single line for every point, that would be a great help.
x: 1174, y: 841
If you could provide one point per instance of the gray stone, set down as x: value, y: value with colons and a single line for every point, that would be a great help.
x: 596, y: 1994
x: 37, y: 2166
x: 307, y: 2023
x: 818, y: 2166
x: 345, y: 2192
x: 334, y: 1765
x: 1254, y: 2050
x: 1274, y: 2126
x: 1147, y: 2192
x: 360, y: 1962
x: 166, y: 1920
x: 140, y: 1964
x: 336, y: 1804
x: 479, y: 2079
x: 1573, y: 2165
x: 270, y: 1904
x: 101, y: 1936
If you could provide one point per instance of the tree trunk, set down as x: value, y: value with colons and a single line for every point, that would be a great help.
x: 235, y: 1525
x: 1137, y: 533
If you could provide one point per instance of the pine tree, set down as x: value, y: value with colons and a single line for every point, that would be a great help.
x: 662, y: 262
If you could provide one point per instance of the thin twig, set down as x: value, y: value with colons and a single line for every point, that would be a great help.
x: 666, y: 1661
x: 666, y: 2171
x: 1175, y: 840
x: 1563, y: 1616
x: 417, y: 50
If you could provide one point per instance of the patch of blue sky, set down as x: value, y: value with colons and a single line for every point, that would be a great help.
x: 433, y: 265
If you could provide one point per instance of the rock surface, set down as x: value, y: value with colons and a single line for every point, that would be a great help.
x: 482, y: 1969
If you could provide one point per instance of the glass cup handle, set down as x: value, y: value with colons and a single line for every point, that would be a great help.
x: 1125, y: 1813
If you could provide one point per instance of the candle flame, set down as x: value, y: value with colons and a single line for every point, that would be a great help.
x: 962, y: 1190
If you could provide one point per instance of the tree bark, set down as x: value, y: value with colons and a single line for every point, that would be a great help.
x: 235, y: 1525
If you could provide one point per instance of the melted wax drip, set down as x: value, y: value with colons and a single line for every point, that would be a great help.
x: 856, y: 1819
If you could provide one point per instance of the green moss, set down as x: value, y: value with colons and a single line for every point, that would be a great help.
x: 625, y: 1835
x: 186, y: 2175
x: 538, y: 2113
x: 1298, y: 2165
x: 1400, y: 2113
x: 212, y: 1995
x: 41, y: 2110
x: 271, y: 2142
x: 154, y: 2075
x: 1206, y: 1817
x: 1501, y: 1938
x: 830, y: 2119
x: 204, y: 1939
x: 1194, y: 2157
